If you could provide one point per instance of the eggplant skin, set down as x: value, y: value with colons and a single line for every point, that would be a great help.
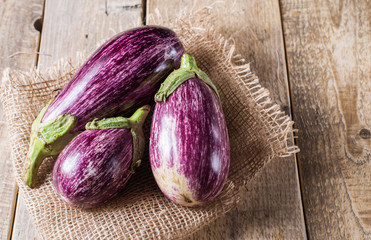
x: 189, y: 145
x: 120, y: 76
x: 93, y: 167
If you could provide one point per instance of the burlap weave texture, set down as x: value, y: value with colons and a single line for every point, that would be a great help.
x: 258, y: 132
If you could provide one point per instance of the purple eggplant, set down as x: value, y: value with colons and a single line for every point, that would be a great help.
x: 189, y: 144
x: 120, y: 76
x: 97, y: 163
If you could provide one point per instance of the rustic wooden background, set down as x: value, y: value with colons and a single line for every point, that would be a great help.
x: 315, y: 58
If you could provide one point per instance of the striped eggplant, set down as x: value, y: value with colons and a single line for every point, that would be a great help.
x: 122, y: 75
x: 97, y: 163
x: 189, y: 144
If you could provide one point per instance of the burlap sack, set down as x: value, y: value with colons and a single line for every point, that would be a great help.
x: 258, y: 132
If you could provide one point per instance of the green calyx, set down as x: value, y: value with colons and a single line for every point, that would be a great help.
x: 134, y: 123
x: 47, y: 139
x: 188, y: 69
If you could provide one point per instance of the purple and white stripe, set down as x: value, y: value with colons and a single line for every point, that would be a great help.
x: 94, y: 167
x: 189, y: 145
x: 120, y: 76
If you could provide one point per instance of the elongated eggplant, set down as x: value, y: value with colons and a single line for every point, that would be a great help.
x: 189, y: 144
x: 120, y: 76
x: 97, y: 163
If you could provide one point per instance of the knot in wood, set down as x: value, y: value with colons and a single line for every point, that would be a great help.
x: 365, y: 133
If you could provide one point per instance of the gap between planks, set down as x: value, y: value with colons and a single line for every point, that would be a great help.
x: 15, y: 203
x: 14, y: 210
x: 293, y: 118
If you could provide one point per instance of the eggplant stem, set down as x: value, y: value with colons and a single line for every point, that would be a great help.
x: 140, y: 115
x: 135, y: 121
x: 47, y: 139
x: 35, y: 158
x: 188, y: 69
x: 107, y: 123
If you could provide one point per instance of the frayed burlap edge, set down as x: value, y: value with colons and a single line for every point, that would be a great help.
x: 274, y: 123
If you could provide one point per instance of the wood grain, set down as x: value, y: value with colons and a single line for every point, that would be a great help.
x: 272, y: 206
x: 328, y: 46
x: 17, y: 51
x: 81, y: 25
x: 71, y: 26
x: 23, y: 224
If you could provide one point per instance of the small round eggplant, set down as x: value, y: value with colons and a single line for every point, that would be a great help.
x: 189, y: 144
x: 97, y: 163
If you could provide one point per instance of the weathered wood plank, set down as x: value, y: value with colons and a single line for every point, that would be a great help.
x: 328, y: 46
x: 19, y: 44
x: 272, y: 207
x: 81, y: 25
x: 23, y: 228
x: 71, y: 26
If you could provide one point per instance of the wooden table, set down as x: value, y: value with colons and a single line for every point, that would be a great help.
x: 313, y: 56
